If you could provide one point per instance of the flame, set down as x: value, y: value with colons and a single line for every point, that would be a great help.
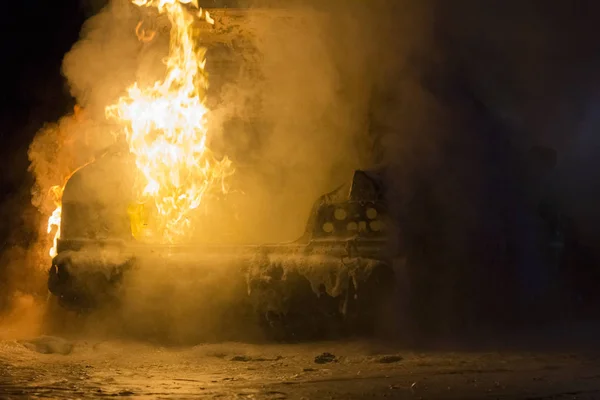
x: 54, y: 220
x: 142, y: 35
x: 166, y: 130
x: 56, y: 192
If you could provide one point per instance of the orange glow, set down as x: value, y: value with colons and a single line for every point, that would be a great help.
x: 55, y: 218
x: 56, y: 192
x: 166, y: 130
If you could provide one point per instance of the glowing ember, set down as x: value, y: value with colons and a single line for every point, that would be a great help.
x: 167, y: 132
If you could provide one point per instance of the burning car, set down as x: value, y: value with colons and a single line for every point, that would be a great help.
x: 338, y: 272
x: 131, y: 209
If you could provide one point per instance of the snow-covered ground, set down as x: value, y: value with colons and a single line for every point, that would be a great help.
x: 50, y: 367
x: 96, y: 364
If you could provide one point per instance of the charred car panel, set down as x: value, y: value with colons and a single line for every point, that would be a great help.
x: 328, y: 272
x: 336, y: 271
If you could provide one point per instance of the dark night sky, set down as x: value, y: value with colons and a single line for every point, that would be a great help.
x: 536, y: 65
x: 35, y: 37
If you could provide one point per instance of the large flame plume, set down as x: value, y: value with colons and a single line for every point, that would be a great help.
x: 166, y: 129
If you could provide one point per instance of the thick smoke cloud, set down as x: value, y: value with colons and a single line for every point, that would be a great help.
x: 301, y: 106
x: 293, y: 112
x: 450, y: 95
x: 292, y: 116
x: 315, y: 95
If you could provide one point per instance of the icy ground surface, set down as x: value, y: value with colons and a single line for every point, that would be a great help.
x: 49, y: 367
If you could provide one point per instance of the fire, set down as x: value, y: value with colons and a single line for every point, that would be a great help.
x: 54, y: 220
x: 67, y: 143
x: 166, y: 130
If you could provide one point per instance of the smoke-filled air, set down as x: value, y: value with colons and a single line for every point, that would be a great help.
x: 208, y: 130
x: 300, y: 199
x: 216, y: 127
x: 286, y: 109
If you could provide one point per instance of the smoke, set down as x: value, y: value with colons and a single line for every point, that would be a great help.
x: 292, y: 114
x: 292, y: 88
x: 297, y: 115
x: 57, y: 150
x: 488, y: 84
x: 302, y: 93
x: 302, y: 114
x: 106, y: 59
x: 311, y: 95
x: 23, y: 318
